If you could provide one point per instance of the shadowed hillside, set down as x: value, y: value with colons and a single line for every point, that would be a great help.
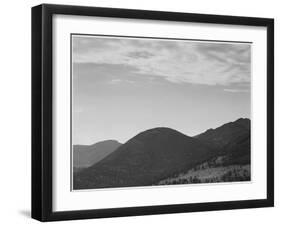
x: 166, y: 156
x: 144, y: 159
x: 232, y: 160
x: 232, y: 140
x: 226, y: 133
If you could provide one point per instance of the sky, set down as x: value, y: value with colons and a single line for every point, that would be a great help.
x: 123, y: 86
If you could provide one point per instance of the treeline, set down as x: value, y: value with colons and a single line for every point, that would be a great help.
x: 233, y: 173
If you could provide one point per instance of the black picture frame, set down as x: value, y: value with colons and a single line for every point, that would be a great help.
x: 42, y: 107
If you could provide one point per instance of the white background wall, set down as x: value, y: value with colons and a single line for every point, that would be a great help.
x: 15, y: 116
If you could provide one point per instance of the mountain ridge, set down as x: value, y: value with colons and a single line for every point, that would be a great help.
x: 221, y: 135
x: 159, y: 153
x: 145, y: 158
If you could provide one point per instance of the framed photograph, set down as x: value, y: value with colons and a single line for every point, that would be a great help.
x: 145, y: 112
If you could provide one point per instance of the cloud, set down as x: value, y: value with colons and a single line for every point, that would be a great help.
x: 176, y: 61
x: 119, y: 81
x: 115, y: 81
x: 140, y: 54
x: 237, y: 90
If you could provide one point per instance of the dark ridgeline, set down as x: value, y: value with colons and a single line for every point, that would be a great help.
x: 160, y: 153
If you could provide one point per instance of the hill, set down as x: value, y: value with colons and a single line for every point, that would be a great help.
x: 232, y: 142
x: 231, y: 139
x: 166, y: 156
x: 146, y: 158
x: 226, y: 133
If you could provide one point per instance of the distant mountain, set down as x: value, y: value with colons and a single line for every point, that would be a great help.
x: 88, y: 155
x: 146, y: 158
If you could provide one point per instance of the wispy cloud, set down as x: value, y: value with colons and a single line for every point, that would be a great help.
x: 119, y: 81
x: 115, y: 81
x: 237, y: 90
x: 176, y: 61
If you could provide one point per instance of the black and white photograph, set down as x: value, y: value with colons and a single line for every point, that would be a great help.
x: 145, y: 112
x: 159, y: 112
